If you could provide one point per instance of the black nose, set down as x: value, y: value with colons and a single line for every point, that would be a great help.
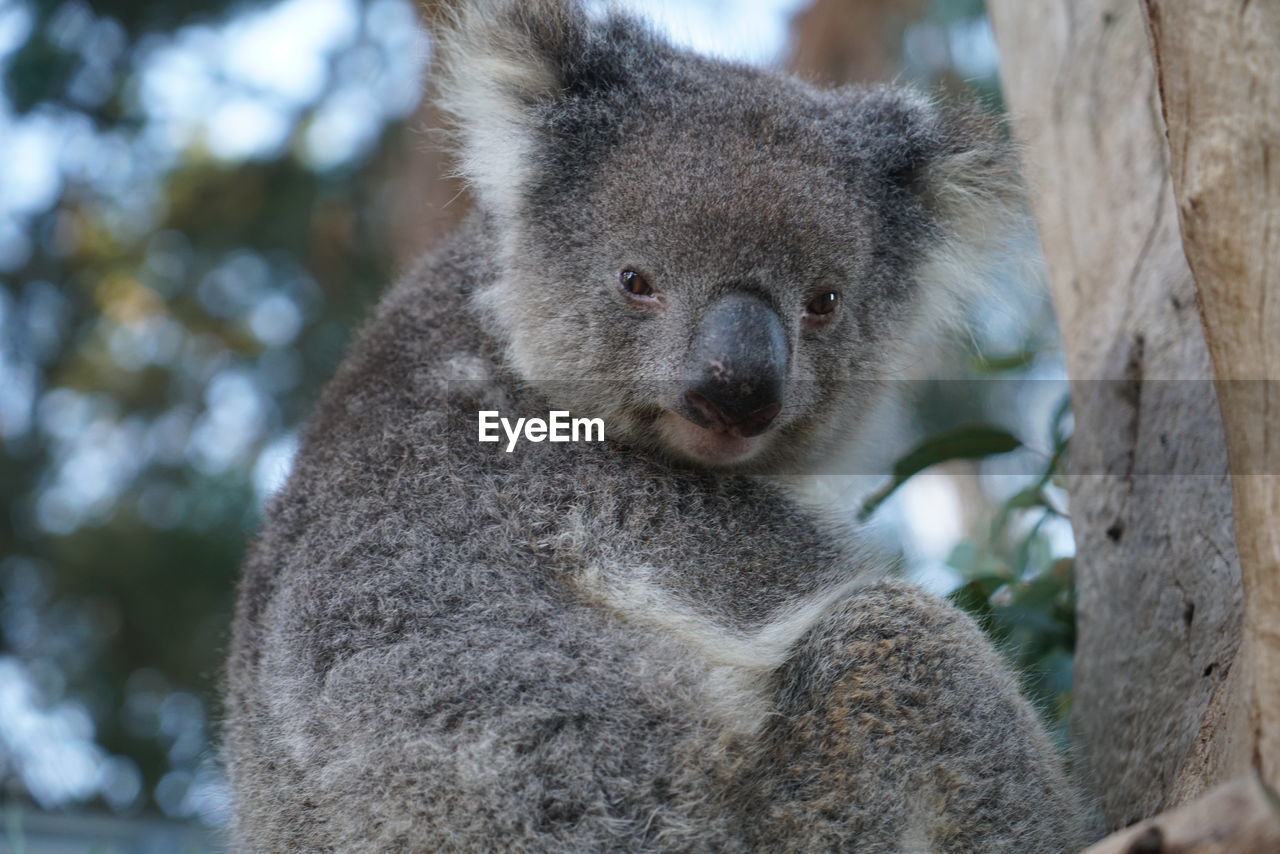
x: 737, y: 367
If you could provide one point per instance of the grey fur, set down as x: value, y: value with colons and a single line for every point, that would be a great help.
x: 439, y: 646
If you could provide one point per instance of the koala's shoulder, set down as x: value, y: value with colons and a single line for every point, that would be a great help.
x: 895, y: 632
x: 892, y: 607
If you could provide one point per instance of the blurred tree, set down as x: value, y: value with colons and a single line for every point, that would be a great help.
x: 851, y: 41
x: 430, y: 200
x: 161, y: 336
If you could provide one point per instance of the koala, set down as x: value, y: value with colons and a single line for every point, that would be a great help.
x: 658, y: 641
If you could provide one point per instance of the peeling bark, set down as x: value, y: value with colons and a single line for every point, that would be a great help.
x: 1158, y: 674
x: 1240, y: 817
x: 1218, y: 69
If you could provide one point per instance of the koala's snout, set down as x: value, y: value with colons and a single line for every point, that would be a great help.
x: 737, y: 367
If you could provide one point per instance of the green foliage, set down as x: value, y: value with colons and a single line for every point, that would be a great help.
x: 970, y: 442
x: 168, y: 334
x: 1012, y: 582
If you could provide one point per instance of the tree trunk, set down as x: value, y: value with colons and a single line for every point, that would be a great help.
x: 835, y: 42
x: 1240, y: 817
x: 1159, y: 683
x: 1218, y: 71
x: 425, y: 197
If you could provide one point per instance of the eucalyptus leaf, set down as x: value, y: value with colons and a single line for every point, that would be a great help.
x: 971, y: 442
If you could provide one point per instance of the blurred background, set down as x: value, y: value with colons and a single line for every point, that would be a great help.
x: 199, y: 201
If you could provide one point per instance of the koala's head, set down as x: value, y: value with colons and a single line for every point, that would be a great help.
x: 725, y: 264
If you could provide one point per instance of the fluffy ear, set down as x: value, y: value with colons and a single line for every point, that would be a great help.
x: 970, y: 180
x: 504, y: 65
x: 972, y: 185
x: 962, y: 170
x: 952, y: 157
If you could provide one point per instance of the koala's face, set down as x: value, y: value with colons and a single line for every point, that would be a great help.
x: 713, y: 295
x: 725, y: 265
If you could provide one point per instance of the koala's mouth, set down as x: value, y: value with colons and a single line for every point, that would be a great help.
x: 708, y: 446
x: 731, y: 383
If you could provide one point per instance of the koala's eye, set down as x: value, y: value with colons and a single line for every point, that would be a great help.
x: 634, y: 283
x: 637, y: 287
x: 823, y: 304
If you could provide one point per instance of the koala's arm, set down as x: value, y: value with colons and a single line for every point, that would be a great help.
x: 900, y: 723
x: 385, y: 714
x: 895, y: 729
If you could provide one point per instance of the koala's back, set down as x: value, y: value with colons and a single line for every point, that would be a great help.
x: 441, y: 646
x: 394, y: 616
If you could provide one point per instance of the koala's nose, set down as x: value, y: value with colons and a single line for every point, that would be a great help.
x: 737, y: 367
